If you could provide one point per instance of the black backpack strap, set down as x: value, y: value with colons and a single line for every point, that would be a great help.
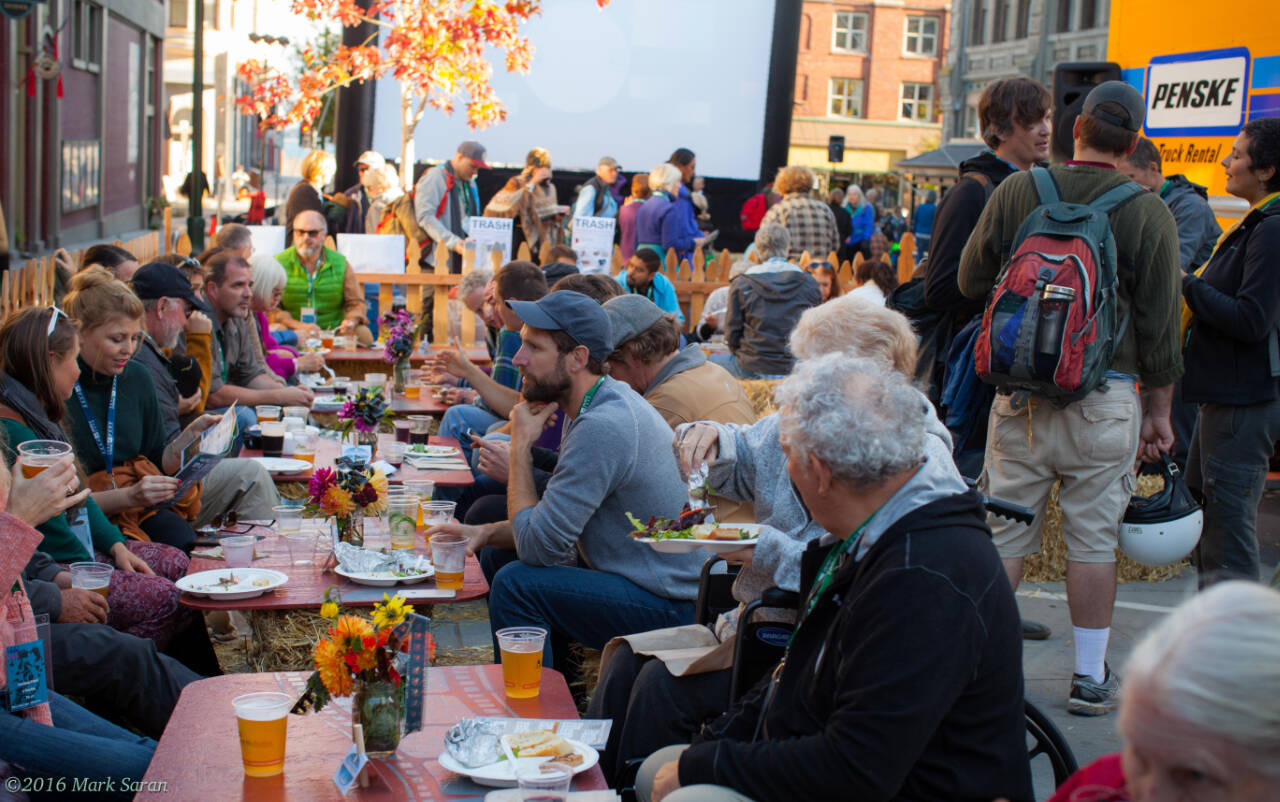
x: 1115, y: 197
x: 1046, y: 187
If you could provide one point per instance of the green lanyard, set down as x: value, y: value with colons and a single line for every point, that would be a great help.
x: 590, y: 396
x: 311, y: 281
x: 827, y: 573
x: 222, y: 356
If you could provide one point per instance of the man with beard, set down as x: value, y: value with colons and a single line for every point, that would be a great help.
x: 320, y: 280
x: 577, y: 573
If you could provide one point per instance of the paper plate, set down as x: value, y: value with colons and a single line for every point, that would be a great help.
x: 684, y: 546
x: 328, y: 404
x: 502, y: 774
x: 432, y: 451
x: 205, y: 583
x: 386, y: 580
x: 283, y: 464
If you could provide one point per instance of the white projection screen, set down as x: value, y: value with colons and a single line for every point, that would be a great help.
x: 633, y: 81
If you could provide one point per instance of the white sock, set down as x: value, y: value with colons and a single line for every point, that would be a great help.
x: 1091, y: 651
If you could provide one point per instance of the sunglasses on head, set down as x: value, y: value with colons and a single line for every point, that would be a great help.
x: 815, y: 265
x: 53, y: 319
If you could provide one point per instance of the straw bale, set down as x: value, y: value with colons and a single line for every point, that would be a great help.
x: 760, y: 392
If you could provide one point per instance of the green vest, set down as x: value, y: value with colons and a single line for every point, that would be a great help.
x: 324, y: 292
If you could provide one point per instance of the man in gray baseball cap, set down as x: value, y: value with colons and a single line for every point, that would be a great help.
x: 564, y: 561
x: 1090, y: 445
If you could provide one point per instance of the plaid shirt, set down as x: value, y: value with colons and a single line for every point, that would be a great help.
x: 504, y: 371
x: 811, y: 224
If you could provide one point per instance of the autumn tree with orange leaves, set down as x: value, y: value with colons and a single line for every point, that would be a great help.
x: 434, y: 48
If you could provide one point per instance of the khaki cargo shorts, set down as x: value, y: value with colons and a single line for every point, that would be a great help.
x: 1090, y: 445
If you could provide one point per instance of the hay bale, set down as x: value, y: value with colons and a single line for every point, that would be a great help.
x: 1050, y: 565
x: 760, y: 393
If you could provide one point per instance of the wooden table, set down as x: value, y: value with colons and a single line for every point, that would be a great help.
x: 328, y: 450
x: 354, y: 364
x: 307, y: 584
x: 426, y: 404
x: 198, y: 756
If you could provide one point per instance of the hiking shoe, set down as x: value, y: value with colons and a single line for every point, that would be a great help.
x: 1034, y: 630
x: 1091, y: 698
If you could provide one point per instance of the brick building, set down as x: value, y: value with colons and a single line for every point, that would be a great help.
x: 79, y: 167
x: 869, y: 72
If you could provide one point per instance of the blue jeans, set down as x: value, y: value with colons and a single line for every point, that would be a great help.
x: 577, y: 604
x: 729, y: 362
x: 245, y: 417
x: 286, y: 337
x: 79, y: 744
x: 458, y: 419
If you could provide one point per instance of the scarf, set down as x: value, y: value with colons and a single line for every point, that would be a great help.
x: 17, y: 397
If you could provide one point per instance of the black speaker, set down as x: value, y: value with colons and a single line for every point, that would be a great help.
x: 1071, y: 83
x: 835, y: 149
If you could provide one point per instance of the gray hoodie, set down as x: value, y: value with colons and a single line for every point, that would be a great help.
x: 614, y: 459
x: 764, y: 305
x: 1198, y: 228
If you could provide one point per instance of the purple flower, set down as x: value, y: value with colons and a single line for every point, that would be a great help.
x: 321, y: 480
x: 347, y: 411
x: 362, y: 426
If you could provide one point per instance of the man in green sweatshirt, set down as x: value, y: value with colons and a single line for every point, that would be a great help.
x: 1089, y: 445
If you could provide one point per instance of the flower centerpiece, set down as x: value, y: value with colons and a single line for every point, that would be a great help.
x: 364, y: 412
x: 346, y: 494
x: 367, y: 660
x: 402, y: 333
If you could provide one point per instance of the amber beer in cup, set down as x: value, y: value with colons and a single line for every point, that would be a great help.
x: 37, y: 455
x: 326, y: 340
x: 267, y: 412
x: 521, y: 649
x: 263, y: 722
x: 91, y: 576
x: 448, y: 558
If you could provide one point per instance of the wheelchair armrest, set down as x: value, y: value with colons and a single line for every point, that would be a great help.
x: 777, y: 597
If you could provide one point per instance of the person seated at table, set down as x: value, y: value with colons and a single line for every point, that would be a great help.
x: 493, y: 394
x: 649, y: 705
x: 320, y: 279
x: 166, y: 300
x: 643, y: 276
x: 608, y: 467
x: 473, y: 294
x: 596, y: 286
x: 561, y: 261
x: 764, y: 304
x: 240, y: 373
x: 1200, y: 706
x: 38, y: 375
x: 58, y: 739
x: 114, y: 417
x: 269, y: 281
x: 119, y: 261
x: 903, y: 678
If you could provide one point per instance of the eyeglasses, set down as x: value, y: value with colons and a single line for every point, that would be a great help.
x: 226, y: 522
x: 53, y: 319
x: 310, y: 232
x: 812, y: 266
x: 187, y: 261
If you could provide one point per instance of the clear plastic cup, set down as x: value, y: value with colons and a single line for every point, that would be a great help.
x: 288, y: 518
x: 37, y: 455
x: 422, y: 489
x: 304, y: 447
x: 394, y: 452
x: 449, y: 558
x: 402, y: 520
x: 262, y: 719
x: 302, y: 546
x: 267, y: 412
x: 435, y: 513
x: 521, y: 652
x: 238, y: 550
x: 375, y: 380
x: 548, y: 782
x: 91, y: 576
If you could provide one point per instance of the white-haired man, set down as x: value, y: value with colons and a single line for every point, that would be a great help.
x: 903, y: 678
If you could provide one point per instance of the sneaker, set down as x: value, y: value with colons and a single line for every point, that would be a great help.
x: 1092, y: 698
x: 1034, y: 630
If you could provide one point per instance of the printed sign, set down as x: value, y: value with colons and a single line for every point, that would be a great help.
x: 373, y: 253
x: 416, y: 675
x: 268, y: 239
x: 1197, y: 94
x: 490, y: 234
x: 593, y: 242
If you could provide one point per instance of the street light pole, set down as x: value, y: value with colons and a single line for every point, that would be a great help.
x: 195, y: 202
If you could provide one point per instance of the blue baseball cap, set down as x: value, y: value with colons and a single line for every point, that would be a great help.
x: 575, y: 314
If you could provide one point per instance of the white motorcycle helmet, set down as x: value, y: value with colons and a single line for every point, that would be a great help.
x: 1162, y: 529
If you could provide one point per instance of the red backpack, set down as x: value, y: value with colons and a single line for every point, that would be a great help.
x: 753, y: 211
x: 1050, y: 326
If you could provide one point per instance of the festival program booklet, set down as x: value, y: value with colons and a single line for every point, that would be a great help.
x: 205, y: 452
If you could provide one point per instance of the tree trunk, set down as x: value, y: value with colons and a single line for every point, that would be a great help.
x: 408, y: 122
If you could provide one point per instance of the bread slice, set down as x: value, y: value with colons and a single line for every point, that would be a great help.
x: 538, y: 743
x: 725, y: 533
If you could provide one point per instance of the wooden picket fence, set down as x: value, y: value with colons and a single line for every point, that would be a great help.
x: 30, y: 283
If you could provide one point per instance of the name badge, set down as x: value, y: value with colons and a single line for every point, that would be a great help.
x: 24, y: 670
x: 309, y: 314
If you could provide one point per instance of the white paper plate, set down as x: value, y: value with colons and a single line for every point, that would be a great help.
x: 283, y: 464
x: 386, y: 580
x: 332, y: 404
x: 432, y: 451
x: 502, y: 774
x: 714, y: 546
x: 204, y: 583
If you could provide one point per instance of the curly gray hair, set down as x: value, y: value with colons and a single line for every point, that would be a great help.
x: 475, y: 280
x: 858, y: 416
x: 773, y: 241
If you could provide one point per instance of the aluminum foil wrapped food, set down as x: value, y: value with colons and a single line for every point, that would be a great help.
x: 473, y: 742
x: 356, y: 560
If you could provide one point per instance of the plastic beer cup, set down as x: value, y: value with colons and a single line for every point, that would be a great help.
x: 263, y: 722
x: 92, y: 576
x: 521, y: 650
x: 37, y: 455
x: 448, y: 557
x: 402, y: 519
x: 267, y: 412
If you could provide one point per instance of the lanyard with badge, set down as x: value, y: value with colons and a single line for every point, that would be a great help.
x: 108, y: 446
x: 590, y: 396
x: 308, y: 312
x: 827, y: 573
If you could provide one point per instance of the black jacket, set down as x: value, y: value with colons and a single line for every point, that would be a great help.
x: 905, y: 682
x: 954, y: 221
x: 1236, y: 307
x: 844, y: 223
x: 764, y: 307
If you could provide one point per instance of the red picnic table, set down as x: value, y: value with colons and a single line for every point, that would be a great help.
x: 307, y: 583
x: 329, y: 449
x: 198, y: 756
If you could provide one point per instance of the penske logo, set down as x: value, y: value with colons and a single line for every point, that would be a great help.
x: 1197, y: 94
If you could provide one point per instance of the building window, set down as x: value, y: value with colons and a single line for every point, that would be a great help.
x: 917, y: 102
x: 971, y: 122
x: 1088, y: 14
x: 922, y: 36
x: 1024, y: 19
x: 86, y: 35
x: 849, y: 32
x: 806, y: 24
x: 846, y: 97
x: 182, y: 14
x: 1000, y: 25
x: 1064, y: 16
x: 804, y: 90
x: 978, y: 25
